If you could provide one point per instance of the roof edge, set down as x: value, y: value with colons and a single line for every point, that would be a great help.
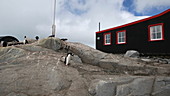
x: 135, y: 22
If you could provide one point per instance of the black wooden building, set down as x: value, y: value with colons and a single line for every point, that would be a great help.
x: 148, y: 36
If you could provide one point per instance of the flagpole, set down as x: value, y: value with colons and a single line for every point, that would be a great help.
x: 54, y: 26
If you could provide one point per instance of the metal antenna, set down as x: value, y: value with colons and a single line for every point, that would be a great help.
x: 54, y: 26
x: 99, y: 26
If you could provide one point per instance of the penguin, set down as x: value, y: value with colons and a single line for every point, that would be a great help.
x: 25, y: 40
x: 4, y: 43
x: 37, y: 38
x: 68, y: 58
x: 51, y: 36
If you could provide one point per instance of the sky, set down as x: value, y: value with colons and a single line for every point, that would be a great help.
x: 76, y: 20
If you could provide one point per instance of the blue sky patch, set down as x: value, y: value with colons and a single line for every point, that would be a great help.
x: 130, y: 7
x: 73, y: 9
x: 83, y: 2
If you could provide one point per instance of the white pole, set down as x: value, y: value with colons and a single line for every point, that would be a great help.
x: 54, y: 26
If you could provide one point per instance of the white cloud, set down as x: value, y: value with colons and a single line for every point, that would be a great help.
x: 76, y: 19
x: 82, y: 27
x: 142, y: 6
x: 21, y: 17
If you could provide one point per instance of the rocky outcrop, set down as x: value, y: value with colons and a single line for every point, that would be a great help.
x: 130, y: 86
x: 132, y: 53
x: 10, y: 53
x: 117, y: 63
x: 37, y: 70
x: 50, y: 43
x: 87, y: 54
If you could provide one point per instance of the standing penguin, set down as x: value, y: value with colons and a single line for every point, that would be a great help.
x: 37, y: 38
x: 4, y: 44
x: 67, y: 58
x: 25, y: 40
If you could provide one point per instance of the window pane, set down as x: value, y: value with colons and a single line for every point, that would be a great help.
x: 158, y: 28
x: 107, y: 41
x: 120, y: 40
x: 156, y: 32
x: 158, y: 35
x: 123, y: 39
x: 123, y: 34
x: 153, y: 30
x: 107, y: 36
x: 119, y: 34
x: 153, y: 36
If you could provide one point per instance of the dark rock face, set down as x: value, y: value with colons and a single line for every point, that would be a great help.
x: 37, y: 70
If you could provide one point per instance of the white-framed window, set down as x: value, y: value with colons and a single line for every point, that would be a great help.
x: 107, y: 39
x: 156, y: 32
x: 121, y: 37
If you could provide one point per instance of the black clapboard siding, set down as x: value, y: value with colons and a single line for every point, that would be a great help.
x: 137, y: 36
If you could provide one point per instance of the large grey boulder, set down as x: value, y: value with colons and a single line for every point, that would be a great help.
x: 87, y: 54
x: 10, y: 53
x: 102, y: 88
x: 161, y: 86
x: 130, y: 86
x: 51, y: 43
x: 139, y: 87
x: 132, y: 53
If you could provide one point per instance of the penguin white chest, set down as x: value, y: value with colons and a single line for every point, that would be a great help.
x: 24, y: 41
x: 2, y: 43
x: 68, y: 59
